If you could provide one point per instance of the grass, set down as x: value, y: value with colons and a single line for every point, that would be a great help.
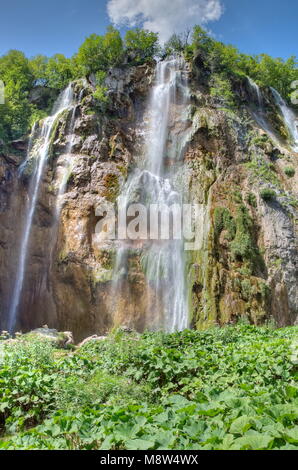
x: 290, y: 171
x: 229, y: 388
x: 268, y: 194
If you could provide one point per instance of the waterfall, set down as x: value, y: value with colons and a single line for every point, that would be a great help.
x: 290, y: 118
x: 67, y: 165
x: 257, y: 92
x: 68, y: 161
x: 260, y: 113
x: 154, y: 182
x: 64, y: 102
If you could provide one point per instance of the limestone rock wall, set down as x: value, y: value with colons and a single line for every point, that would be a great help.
x: 247, y: 263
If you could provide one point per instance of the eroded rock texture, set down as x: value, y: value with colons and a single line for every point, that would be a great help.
x: 247, y: 261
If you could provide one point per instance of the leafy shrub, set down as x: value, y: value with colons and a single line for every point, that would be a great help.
x: 246, y: 289
x: 100, y: 93
x: 100, y: 52
x: 141, y: 45
x: 27, y: 379
x: 230, y: 388
x: 263, y: 69
x: 221, y: 90
x: 290, y: 171
x: 74, y: 392
x: 224, y: 221
x: 176, y: 44
x: 242, y: 247
x: 252, y: 200
x: 263, y: 170
x: 237, y: 197
x: 268, y: 194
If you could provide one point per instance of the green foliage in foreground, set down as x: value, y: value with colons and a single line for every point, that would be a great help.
x: 230, y: 388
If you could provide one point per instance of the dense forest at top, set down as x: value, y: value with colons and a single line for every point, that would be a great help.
x: 99, y: 53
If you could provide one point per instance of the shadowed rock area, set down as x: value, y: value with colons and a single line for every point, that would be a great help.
x: 247, y: 263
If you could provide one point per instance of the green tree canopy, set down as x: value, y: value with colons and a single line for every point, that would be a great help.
x: 38, y: 66
x: 265, y: 70
x: 141, y: 45
x: 16, y: 73
x: 176, y: 44
x: 91, y: 54
x: 100, y: 52
x: 15, y: 68
x: 59, y: 71
x: 113, y: 46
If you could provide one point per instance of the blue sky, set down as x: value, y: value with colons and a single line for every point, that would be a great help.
x: 254, y: 26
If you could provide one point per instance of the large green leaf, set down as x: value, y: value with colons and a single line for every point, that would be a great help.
x: 256, y: 441
x: 139, y: 444
x: 241, y: 424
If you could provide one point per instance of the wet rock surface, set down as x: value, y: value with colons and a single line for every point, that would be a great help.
x: 227, y: 161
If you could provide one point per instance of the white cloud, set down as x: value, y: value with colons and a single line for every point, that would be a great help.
x: 164, y: 16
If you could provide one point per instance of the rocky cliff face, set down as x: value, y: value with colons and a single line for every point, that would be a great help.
x: 247, y: 264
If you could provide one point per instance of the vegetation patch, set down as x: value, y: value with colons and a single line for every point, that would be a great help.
x: 268, y: 194
x: 290, y: 171
x: 243, y: 247
x: 224, y: 221
x: 230, y: 388
x: 221, y: 90
x: 252, y: 200
x: 111, y: 185
x: 263, y: 170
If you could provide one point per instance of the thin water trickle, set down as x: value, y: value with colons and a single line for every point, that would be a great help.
x: 260, y: 113
x: 163, y: 261
x: 67, y: 165
x: 64, y: 102
x: 257, y: 92
x: 29, y: 149
x: 68, y: 161
x: 289, y: 116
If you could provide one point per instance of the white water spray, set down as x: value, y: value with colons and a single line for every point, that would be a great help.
x: 256, y: 90
x: 64, y: 102
x: 290, y: 118
x: 163, y: 261
x: 260, y: 113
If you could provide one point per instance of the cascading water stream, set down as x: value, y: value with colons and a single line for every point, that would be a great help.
x: 260, y: 113
x: 64, y: 102
x: 68, y: 160
x: 290, y: 118
x: 67, y: 166
x: 29, y: 149
x: 163, y: 260
x: 256, y: 90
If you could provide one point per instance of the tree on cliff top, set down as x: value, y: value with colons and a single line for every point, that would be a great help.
x: 100, y: 52
x: 16, y: 73
x: 263, y: 69
x: 141, y: 45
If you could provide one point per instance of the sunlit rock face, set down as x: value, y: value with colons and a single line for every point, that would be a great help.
x: 12, y: 207
x: 160, y: 136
